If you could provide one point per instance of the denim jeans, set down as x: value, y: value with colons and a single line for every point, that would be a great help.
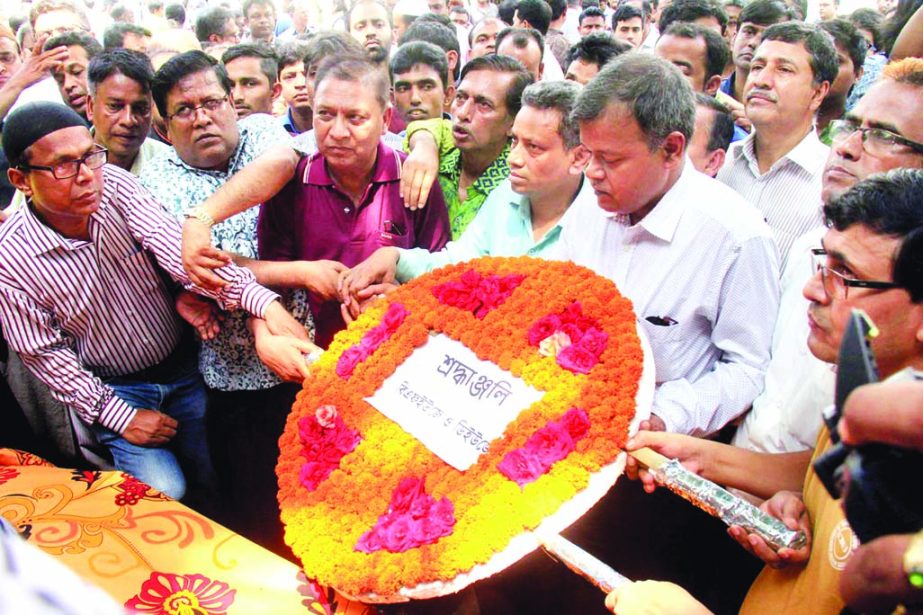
x: 181, y: 395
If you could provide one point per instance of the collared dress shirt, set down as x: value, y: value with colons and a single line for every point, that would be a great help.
x: 312, y: 219
x: 788, y: 193
x: 703, y: 264
x: 79, y: 310
x: 785, y: 417
x: 228, y: 362
x: 503, y: 227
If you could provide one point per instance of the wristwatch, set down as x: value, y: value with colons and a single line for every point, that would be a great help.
x: 913, y: 560
x: 199, y: 214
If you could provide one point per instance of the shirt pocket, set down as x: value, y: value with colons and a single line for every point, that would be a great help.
x: 667, y: 345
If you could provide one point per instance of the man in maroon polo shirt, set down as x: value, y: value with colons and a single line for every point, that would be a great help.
x: 344, y: 201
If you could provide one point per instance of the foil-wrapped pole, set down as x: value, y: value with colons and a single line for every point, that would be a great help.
x: 581, y: 562
x: 719, y: 502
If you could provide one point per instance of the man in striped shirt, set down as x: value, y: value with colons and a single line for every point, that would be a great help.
x: 778, y: 167
x: 84, y: 300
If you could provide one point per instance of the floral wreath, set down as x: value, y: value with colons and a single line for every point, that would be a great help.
x: 370, y: 510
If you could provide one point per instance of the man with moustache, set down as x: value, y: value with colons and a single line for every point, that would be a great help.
x: 882, y: 133
x: 369, y: 22
x: 778, y: 167
x: 523, y: 216
x: 119, y: 105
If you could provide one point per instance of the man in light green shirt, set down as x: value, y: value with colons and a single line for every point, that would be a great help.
x: 522, y: 216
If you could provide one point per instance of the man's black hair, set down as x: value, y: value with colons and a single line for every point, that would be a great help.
x: 78, y: 38
x: 521, y: 38
x: 175, y: 12
x: 596, y: 48
x: 181, y: 66
x: 868, y: 19
x: 823, y: 60
x: 690, y: 10
x: 411, y: 54
x: 114, y: 36
x: 245, y: 7
x: 765, y: 13
x: 327, y: 44
x: 503, y: 64
x: 717, y: 52
x: 439, y: 35
x: 133, y: 64
x: 722, y: 126
x: 506, y: 10
x: 211, y: 21
x: 626, y: 12
x: 888, y: 204
x: 557, y: 8
x: 290, y: 53
x: 592, y: 11
x: 269, y: 61
x: 846, y: 35
x: 536, y: 12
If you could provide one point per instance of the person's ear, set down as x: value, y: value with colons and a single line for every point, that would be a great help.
x: 449, y: 97
x: 579, y: 158
x: 712, y: 84
x: 820, y: 92
x: 674, y: 148
x: 386, y: 118
x: 20, y: 180
x: 715, y: 162
x: 541, y: 70
x: 452, y: 58
x: 90, y: 106
x: 276, y: 92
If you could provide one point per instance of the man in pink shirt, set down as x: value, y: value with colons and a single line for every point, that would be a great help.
x: 344, y: 201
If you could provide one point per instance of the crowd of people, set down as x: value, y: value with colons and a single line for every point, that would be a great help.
x: 201, y: 195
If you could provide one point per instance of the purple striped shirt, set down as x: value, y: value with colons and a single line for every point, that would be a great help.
x: 79, y: 310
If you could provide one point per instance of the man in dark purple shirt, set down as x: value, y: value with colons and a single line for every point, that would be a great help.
x: 344, y: 202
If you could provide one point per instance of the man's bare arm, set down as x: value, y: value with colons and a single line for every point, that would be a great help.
x: 256, y: 183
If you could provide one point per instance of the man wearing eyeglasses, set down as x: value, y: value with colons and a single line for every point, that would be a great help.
x: 192, y: 93
x: 778, y: 167
x: 84, y: 302
x: 871, y: 260
x: 882, y: 133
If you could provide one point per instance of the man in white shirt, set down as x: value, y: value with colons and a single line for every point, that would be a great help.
x: 693, y: 256
x: 784, y: 416
x: 778, y: 167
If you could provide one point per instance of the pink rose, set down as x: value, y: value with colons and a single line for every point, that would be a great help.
x: 549, y: 444
x: 543, y: 328
x: 348, y: 361
x: 471, y: 279
x: 407, y: 492
x: 574, y: 332
x: 594, y: 341
x: 314, y: 473
x: 577, y: 359
x: 520, y: 467
x: 370, y: 541
x: 374, y: 337
x: 576, y: 422
x: 456, y: 296
x: 397, y: 536
x: 509, y: 283
x: 326, y: 416
x: 394, y: 317
x: 309, y: 429
x: 444, y: 514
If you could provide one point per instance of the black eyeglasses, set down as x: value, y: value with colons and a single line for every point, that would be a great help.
x: 836, y: 284
x: 70, y: 168
x: 876, y: 141
x: 185, y: 113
